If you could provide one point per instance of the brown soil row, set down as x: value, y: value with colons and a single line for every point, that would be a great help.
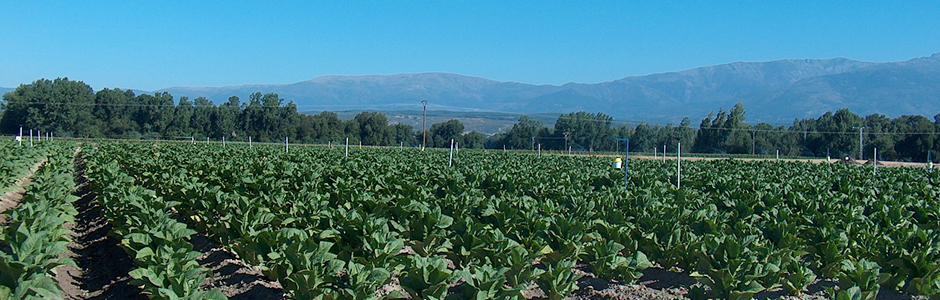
x: 231, y: 275
x: 103, y: 267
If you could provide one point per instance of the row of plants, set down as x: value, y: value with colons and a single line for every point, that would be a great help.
x: 368, y: 232
x: 33, y: 239
x: 17, y: 161
x: 316, y: 220
x: 166, y: 264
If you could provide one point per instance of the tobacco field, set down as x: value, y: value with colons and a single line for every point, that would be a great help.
x: 494, y: 225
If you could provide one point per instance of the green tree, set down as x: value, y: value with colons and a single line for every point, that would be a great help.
x: 289, y: 120
x: 327, y: 127
x: 62, y: 106
x: 351, y: 131
x: 228, y: 118
x: 251, y: 119
x: 440, y: 134
x: 706, y: 141
x: 644, y: 138
x: 180, y: 125
x: 404, y: 134
x: 116, y: 109
x: 591, y: 131
x: 522, y: 134
x: 835, y: 132
x: 916, y: 137
x: 373, y: 128
x: 155, y: 113
x: 204, y: 119
x: 881, y: 135
x: 736, y: 137
x: 724, y: 133
x: 472, y: 140
x: 686, y: 134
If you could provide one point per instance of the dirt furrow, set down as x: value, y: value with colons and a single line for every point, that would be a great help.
x: 103, y: 267
x: 231, y: 275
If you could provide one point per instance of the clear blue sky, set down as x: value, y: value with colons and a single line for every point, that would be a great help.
x: 156, y: 44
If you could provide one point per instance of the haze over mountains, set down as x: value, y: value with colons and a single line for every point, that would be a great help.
x: 775, y: 91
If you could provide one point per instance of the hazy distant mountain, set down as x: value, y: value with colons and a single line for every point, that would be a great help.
x: 386, y: 92
x: 903, y: 88
x: 776, y: 91
x: 4, y: 90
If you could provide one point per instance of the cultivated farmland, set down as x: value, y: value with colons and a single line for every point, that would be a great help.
x: 390, y: 223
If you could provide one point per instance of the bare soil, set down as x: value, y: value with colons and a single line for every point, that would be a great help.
x: 103, y: 267
x: 231, y: 275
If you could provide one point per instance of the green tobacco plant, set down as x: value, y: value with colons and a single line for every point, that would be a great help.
x: 862, y: 274
x: 920, y: 269
x: 558, y: 280
x: 485, y: 282
x: 852, y: 293
x: 730, y: 268
x: 310, y: 268
x: 830, y: 251
x: 382, y: 251
x: 36, y: 286
x: 468, y: 247
x: 610, y: 264
x: 426, y: 278
x: 798, y: 278
x: 364, y: 281
x: 165, y: 260
x: 167, y: 266
x: 521, y: 270
x: 431, y: 245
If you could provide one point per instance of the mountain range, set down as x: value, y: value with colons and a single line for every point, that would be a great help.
x: 776, y: 91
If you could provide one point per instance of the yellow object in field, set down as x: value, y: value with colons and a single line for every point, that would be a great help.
x: 618, y: 163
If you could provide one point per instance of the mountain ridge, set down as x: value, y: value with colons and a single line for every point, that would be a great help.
x: 773, y: 91
x: 810, y: 87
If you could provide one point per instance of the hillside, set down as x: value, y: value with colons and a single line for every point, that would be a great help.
x: 775, y: 91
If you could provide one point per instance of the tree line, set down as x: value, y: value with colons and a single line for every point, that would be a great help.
x: 72, y: 108
x: 836, y: 135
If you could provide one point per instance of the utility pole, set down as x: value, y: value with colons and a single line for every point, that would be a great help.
x: 678, y: 164
x: 860, y: 145
x: 753, y: 141
x: 566, y: 140
x: 424, y: 124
